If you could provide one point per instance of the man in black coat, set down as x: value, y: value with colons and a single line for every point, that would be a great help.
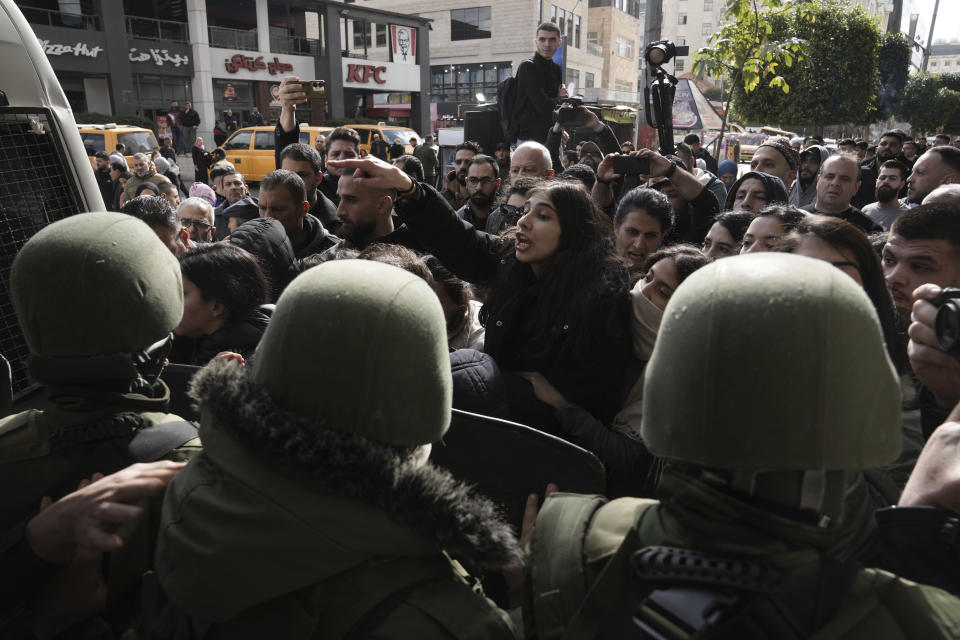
x: 539, y: 82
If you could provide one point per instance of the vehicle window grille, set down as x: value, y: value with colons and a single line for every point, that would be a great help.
x: 36, y: 188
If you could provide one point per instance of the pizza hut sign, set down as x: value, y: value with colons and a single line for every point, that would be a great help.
x: 240, y: 61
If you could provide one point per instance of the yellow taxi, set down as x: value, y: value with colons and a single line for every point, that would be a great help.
x: 105, y: 137
x: 251, y: 149
x: 388, y: 133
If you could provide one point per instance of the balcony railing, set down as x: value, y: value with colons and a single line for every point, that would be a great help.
x: 35, y: 15
x: 294, y: 45
x: 225, y: 38
x: 594, y: 49
x: 163, y: 30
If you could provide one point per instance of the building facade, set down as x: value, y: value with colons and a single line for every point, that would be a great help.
x: 472, y: 48
x: 129, y: 57
x: 944, y: 57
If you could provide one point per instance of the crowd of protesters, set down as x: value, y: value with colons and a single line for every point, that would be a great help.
x: 754, y: 359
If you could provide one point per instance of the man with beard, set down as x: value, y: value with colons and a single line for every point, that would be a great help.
x: 483, y: 182
x: 893, y: 175
x: 888, y: 148
x: 804, y: 189
x: 143, y: 171
x: 502, y: 154
x: 102, y: 173
x: 366, y: 216
x: 940, y: 165
x: 455, y: 187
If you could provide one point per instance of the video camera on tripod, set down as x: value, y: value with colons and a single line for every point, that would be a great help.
x: 662, y: 88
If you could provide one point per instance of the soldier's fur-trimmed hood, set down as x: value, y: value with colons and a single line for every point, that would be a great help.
x: 421, y: 497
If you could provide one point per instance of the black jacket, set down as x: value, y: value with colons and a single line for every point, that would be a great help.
x: 319, y: 240
x: 239, y: 335
x: 479, y: 257
x: 853, y: 216
x: 693, y: 224
x: 267, y: 240
x: 538, y: 84
x: 606, y: 139
x: 190, y: 118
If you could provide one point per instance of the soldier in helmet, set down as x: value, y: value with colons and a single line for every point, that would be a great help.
x: 97, y: 296
x: 313, y: 512
x: 760, y: 422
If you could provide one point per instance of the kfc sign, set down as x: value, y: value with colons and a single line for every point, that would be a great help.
x: 240, y: 61
x: 376, y: 75
x: 362, y: 73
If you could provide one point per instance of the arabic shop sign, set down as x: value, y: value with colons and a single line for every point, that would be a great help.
x: 240, y: 61
x: 76, y: 50
x: 259, y: 65
x: 158, y: 57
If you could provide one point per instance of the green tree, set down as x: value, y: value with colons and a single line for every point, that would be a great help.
x: 837, y: 80
x: 893, y: 63
x: 952, y: 81
x: 745, y: 49
x: 928, y: 103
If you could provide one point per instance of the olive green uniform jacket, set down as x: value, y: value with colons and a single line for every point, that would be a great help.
x: 691, y: 514
x: 48, y: 452
x: 253, y: 548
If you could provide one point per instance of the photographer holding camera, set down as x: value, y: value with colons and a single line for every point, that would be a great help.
x: 583, y: 125
x: 920, y: 534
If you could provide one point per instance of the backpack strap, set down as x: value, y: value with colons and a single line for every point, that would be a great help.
x: 558, y: 580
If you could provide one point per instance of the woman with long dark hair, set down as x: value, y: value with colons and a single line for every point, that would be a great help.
x: 223, y: 288
x: 559, y: 298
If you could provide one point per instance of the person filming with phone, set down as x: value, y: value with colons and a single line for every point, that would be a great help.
x: 694, y: 207
x: 583, y: 126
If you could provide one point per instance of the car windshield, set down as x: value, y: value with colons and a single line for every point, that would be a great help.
x: 138, y: 142
x: 403, y: 135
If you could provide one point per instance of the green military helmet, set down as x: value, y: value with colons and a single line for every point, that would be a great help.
x: 95, y: 284
x: 360, y: 346
x: 771, y: 362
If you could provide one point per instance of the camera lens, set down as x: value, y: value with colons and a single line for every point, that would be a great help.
x: 948, y: 326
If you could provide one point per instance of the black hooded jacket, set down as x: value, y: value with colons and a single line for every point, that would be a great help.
x: 240, y: 335
x: 776, y: 191
x: 266, y: 239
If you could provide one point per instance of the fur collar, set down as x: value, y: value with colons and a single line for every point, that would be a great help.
x: 425, y: 498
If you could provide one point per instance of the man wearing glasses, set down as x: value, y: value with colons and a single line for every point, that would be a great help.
x: 196, y: 216
x: 483, y: 183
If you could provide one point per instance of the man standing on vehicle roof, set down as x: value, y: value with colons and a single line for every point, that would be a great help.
x: 190, y: 120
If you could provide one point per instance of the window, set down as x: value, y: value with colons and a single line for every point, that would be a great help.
x: 263, y: 140
x: 576, y: 31
x: 94, y: 142
x: 678, y: 64
x: 569, y: 37
x: 681, y: 18
x: 553, y: 13
x: 361, y: 33
x: 572, y: 75
x: 624, y: 47
x: 462, y: 82
x: 470, y: 24
x: 706, y: 29
x: 948, y: 63
x: 708, y: 5
x: 381, y: 35
x: 562, y: 22
x: 681, y: 42
x: 593, y: 37
x: 588, y: 80
x: 241, y: 140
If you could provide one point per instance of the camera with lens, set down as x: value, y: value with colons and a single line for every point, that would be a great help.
x: 572, y: 115
x: 947, y: 324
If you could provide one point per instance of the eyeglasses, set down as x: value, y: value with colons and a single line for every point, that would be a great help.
x: 486, y: 180
x: 187, y: 223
